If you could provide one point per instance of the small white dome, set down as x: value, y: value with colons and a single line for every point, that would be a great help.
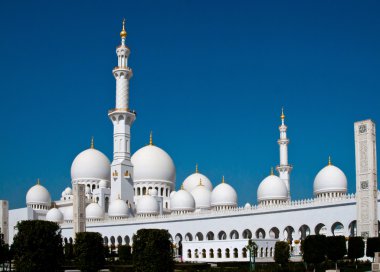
x: 182, y: 201
x: 192, y: 181
x: 68, y: 214
x: 63, y: 193
x: 87, y: 190
x: 38, y: 195
x: 247, y: 206
x: 94, y: 211
x: 118, y: 208
x: 224, y: 195
x: 330, y: 180
x: 103, y: 184
x: 151, y: 163
x: 68, y: 191
x: 172, y: 194
x: 147, y: 204
x: 272, y: 188
x: 202, y: 197
x: 91, y: 164
x: 153, y: 192
x: 54, y: 215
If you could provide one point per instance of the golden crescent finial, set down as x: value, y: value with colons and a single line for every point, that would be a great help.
x: 92, y: 142
x: 123, y: 33
x: 329, y: 163
x: 271, y: 171
x: 151, y: 138
x: 182, y: 186
x: 222, y: 179
x: 196, y: 168
x: 282, y: 113
x: 38, y: 181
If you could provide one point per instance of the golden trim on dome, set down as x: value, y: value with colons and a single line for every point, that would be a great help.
x: 151, y: 138
x: 123, y: 33
x: 329, y: 163
x: 92, y: 146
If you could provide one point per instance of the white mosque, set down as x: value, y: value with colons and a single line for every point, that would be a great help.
x: 204, y: 219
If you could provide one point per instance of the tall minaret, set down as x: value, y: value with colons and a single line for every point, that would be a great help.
x: 122, y: 118
x: 284, y: 168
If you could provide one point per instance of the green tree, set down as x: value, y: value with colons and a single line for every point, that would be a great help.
x: 336, y: 248
x: 125, y: 253
x: 37, y: 246
x: 281, y: 253
x: 373, y: 245
x: 152, y: 251
x: 89, y: 251
x: 314, y: 249
x: 355, y: 248
x: 4, y: 251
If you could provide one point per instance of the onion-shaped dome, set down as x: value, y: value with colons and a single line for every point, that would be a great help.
x: 38, y: 195
x: 247, y: 206
x: 68, y: 191
x: 202, y: 196
x: 68, y: 214
x: 272, y: 188
x: 94, y: 211
x: 151, y: 163
x: 330, y: 180
x: 54, y: 215
x: 192, y: 181
x: 118, y: 208
x: 182, y: 201
x: 224, y: 195
x: 103, y: 184
x: 147, y: 205
x: 91, y: 164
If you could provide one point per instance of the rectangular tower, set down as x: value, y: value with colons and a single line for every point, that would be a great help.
x: 4, y: 216
x: 79, y: 208
x: 366, y: 178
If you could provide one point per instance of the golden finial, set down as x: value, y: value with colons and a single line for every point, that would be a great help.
x: 182, y: 186
x: 38, y: 181
x: 92, y: 142
x: 123, y: 33
x: 222, y: 179
x: 200, y: 182
x: 271, y: 171
x: 282, y: 113
x: 196, y: 168
x: 329, y: 163
x: 151, y: 138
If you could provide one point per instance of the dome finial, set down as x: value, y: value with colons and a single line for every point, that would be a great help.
x: 151, y: 138
x: 38, y: 181
x: 222, y: 179
x: 329, y: 163
x: 271, y: 171
x: 282, y: 114
x: 92, y: 142
x: 182, y: 186
x: 196, y: 168
x: 123, y: 33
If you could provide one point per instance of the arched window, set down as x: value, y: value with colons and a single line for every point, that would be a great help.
x: 222, y: 235
x: 199, y: 236
x: 211, y: 253
x: 189, y: 237
x: 247, y: 234
x: 189, y: 253
x: 93, y: 186
x: 274, y: 233
x: 112, y: 240
x: 227, y: 252
x: 203, y: 253
x: 196, y: 255
x: 162, y: 192
x: 210, y: 236
x: 236, y: 255
x: 144, y: 190
x: 119, y: 240
x: 127, y: 240
x: 219, y: 253
x: 106, y: 204
x: 166, y: 205
x: 138, y: 191
x: 244, y: 251
x: 260, y: 234
x: 337, y: 229
x: 234, y: 235
x: 303, y: 231
x: 105, y: 240
x: 289, y: 233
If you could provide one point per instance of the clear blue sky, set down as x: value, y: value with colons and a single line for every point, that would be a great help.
x: 210, y: 78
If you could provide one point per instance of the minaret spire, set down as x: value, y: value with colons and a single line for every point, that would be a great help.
x: 151, y: 138
x: 122, y: 119
x: 284, y: 168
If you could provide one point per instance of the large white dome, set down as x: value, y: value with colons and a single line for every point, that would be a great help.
x: 147, y: 204
x: 54, y: 215
x: 94, y: 211
x: 38, y: 195
x: 151, y: 163
x: 330, y: 180
x: 202, y: 197
x: 182, y: 201
x: 118, y: 208
x: 224, y: 195
x: 68, y: 213
x: 192, y: 181
x: 91, y: 164
x: 272, y: 188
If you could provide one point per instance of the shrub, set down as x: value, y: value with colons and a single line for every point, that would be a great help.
x: 89, y: 251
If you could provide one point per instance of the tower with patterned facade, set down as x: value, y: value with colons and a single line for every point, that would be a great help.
x: 122, y: 119
x: 284, y: 168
